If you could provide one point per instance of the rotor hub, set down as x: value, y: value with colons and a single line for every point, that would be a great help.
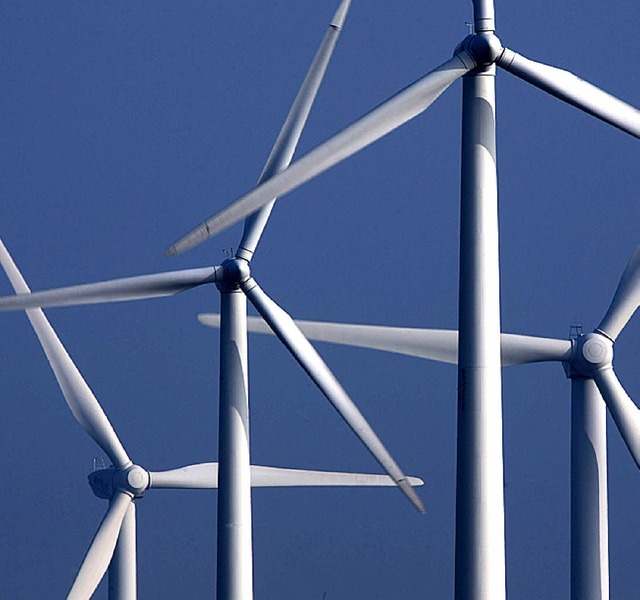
x: 591, y: 353
x: 137, y: 480
x: 236, y: 270
x: 484, y: 48
x: 106, y: 482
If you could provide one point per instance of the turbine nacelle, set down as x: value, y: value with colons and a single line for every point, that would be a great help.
x: 105, y: 483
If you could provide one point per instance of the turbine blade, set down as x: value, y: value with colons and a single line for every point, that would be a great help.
x: 284, y: 327
x: 569, y: 88
x: 623, y: 410
x: 116, y: 290
x: 440, y: 345
x: 205, y: 476
x: 289, y: 135
x: 399, y: 109
x: 278, y: 477
x: 626, y: 299
x: 101, y: 550
x: 79, y: 397
x: 526, y: 349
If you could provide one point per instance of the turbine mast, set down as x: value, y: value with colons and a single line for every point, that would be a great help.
x: 123, y: 566
x: 235, y: 559
x: 589, y: 518
x: 480, y: 541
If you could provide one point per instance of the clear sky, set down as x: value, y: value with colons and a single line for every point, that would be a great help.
x: 125, y: 124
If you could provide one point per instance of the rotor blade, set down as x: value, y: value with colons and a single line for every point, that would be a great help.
x: 399, y: 109
x: 289, y: 135
x: 483, y: 15
x: 440, y: 345
x: 205, y: 476
x: 284, y: 327
x: 80, y: 399
x: 278, y: 477
x: 116, y: 290
x: 623, y: 410
x: 571, y: 89
x: 526, y: 349
x: 626, y: 299
x: 101, y: 550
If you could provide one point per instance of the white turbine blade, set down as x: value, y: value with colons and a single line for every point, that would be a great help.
x: 399, y: 109
x: 79, y: 397
x: 289, y: 135
x: 434, y: 344
x: 101, y: 550
x: 284, y: 327
x: 571, y: 89
x: 279, y: 477
x: 440, y: 345
x: 626, y: 299
x: 205, y: 476
x: 623, y: 410
x: 116, y: 290
x: 526, y: 349
x: 484, y: 15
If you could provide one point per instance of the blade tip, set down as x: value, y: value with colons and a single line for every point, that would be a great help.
x: 176, y: 248
x: 406, y: 487
x: 341, y: 15
x: 193, y: 238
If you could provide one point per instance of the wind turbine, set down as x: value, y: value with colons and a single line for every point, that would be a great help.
x: 479, y: 349
x: 480, y: 552
x: 114, y: 544
x: 234, y: 281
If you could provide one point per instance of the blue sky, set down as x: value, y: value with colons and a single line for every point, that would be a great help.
x: 124, y: 125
